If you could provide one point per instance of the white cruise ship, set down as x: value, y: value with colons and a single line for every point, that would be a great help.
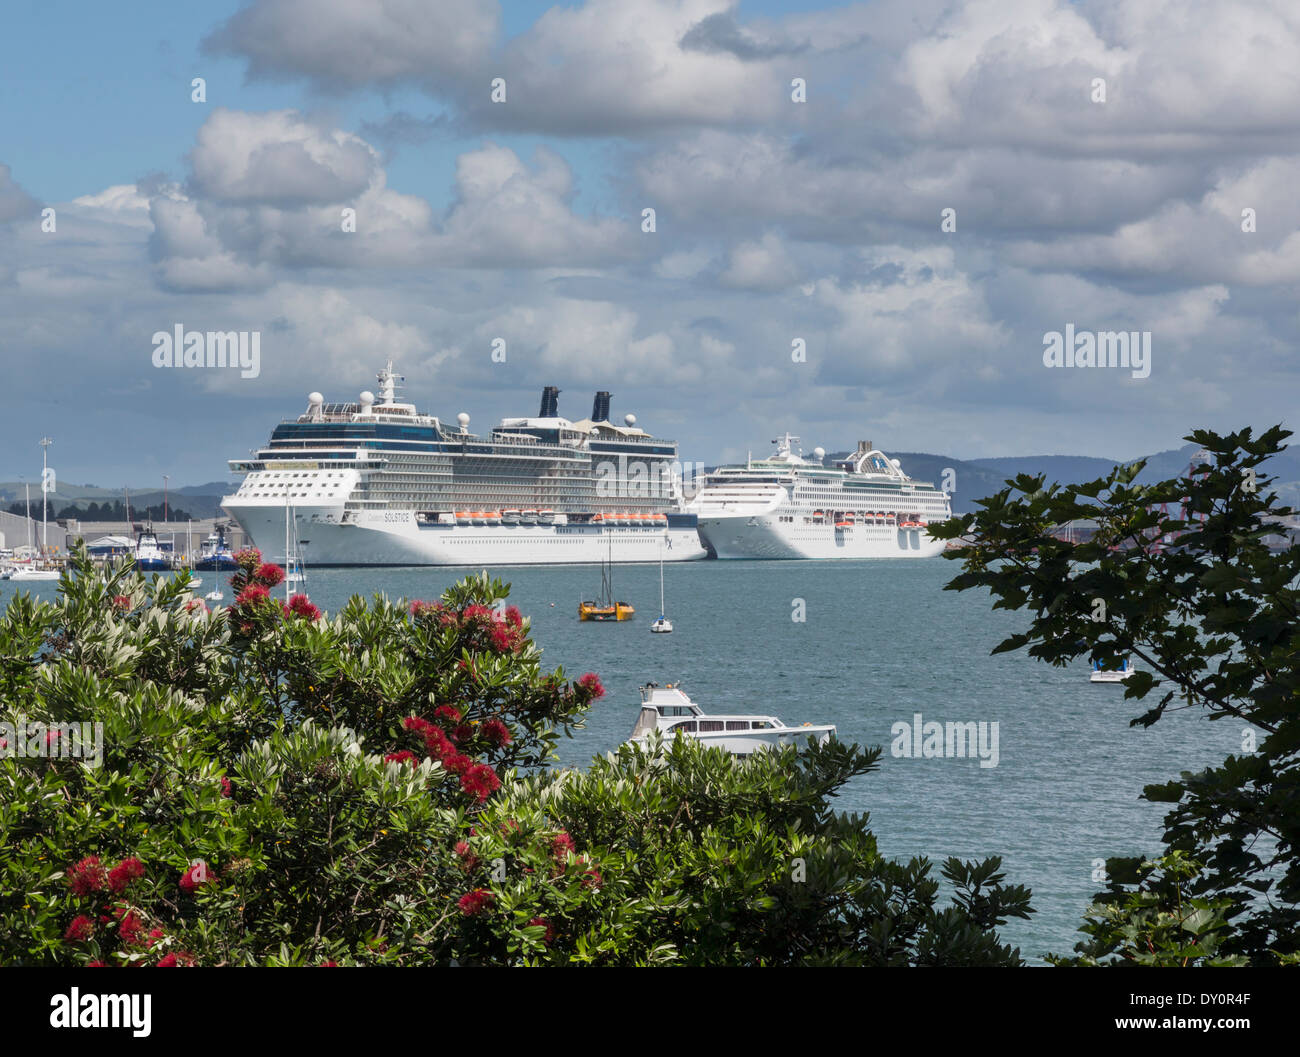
x: 378, y: 483
x: 786, y: 506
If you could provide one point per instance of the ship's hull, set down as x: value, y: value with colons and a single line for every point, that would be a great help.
x: 763, y: 536
x: 746, y: 744
x: 397, y: 538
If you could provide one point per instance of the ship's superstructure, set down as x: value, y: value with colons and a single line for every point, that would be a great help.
x: 378, y: 483
x: 786, y: 506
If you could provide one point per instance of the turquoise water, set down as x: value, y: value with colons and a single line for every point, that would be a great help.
x: 881, y: 641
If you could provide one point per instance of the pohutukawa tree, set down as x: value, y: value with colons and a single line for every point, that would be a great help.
x: 279, y: 786
x: 1179, y: 576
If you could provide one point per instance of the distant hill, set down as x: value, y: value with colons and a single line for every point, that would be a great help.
x: 974, y: 479
x: 199, y: 500
x: 1065, y: 469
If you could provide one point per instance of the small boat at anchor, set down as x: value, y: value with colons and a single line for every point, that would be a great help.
x: 1111, y: 675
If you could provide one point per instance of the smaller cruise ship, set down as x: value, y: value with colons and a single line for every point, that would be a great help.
x: 668, y: 710
x: 786, y: 506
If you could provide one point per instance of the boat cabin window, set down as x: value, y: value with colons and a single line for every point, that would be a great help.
x: 711, y: 724
x: 762, y: 724
x: 737, y: 724
x: 688, y: 726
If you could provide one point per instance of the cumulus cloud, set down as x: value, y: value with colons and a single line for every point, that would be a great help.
x: 269, y: 190
x: 920, y: 311
x: 344, y: 44
x: 760, y: 265
x: 278, y: 158
x: 1242, y: 230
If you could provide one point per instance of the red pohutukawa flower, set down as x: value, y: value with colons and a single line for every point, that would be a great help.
x: 130, y: 927
x: 175, y: 960
x: 561, y: 845
x: 196, y: 876
x: 461, y: 733
x: 253, y: 594
x: 448, y: 712
x: 480, y: 782
x: 121, y: 875
x: 475, y: 902
x: 225, y: 786
x: 122, y: 602
x: 269, y: 574
x: 300, y: 605
x: 496, y: 732
x: 504, y: 638
x: 155, y: 935
x: 87, y: 876
x: 591, y: 685
x: 514, y: 617
x: 405, y: 756
x: 468, y: 860
x: 81, y: 929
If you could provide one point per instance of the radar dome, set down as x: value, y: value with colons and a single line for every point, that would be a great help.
x: 367, y: 397
x: 315, y: 398
x: 898, y: 464
x: 630, y: 419
x: 463, y: 419
x: 819, y: 453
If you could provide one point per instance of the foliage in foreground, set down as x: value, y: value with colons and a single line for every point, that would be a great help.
x: 277, y: 787
x: 1211, y: 613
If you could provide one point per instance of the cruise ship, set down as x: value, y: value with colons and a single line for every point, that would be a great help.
x: 786, y: 506
x: 378, y: 483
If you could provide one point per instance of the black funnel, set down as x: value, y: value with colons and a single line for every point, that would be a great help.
x: 600, y: 408
x: 550, y: 403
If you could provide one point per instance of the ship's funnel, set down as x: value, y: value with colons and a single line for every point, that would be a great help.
x: 550, y: 403
x: 600, y: 408
x: 864, y: 446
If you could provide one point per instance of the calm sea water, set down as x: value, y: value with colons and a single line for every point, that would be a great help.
x: 881, y: 641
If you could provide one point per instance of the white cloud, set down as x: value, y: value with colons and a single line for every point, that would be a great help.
x: 344, y: 44
x: 760, y: 265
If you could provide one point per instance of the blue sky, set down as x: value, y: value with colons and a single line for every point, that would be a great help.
x: 777, y: 220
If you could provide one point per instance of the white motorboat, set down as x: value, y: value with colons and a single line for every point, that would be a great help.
x: 668, y: 710
x: 214, y: 595
x: 1111, y: 675
x: 28, y: 573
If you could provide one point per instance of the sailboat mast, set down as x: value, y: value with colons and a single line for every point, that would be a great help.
x: 607, y: 573
x: 27, y: 488
x: 287, y: 566
x: 661, y: 576
x: 45, y: 491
